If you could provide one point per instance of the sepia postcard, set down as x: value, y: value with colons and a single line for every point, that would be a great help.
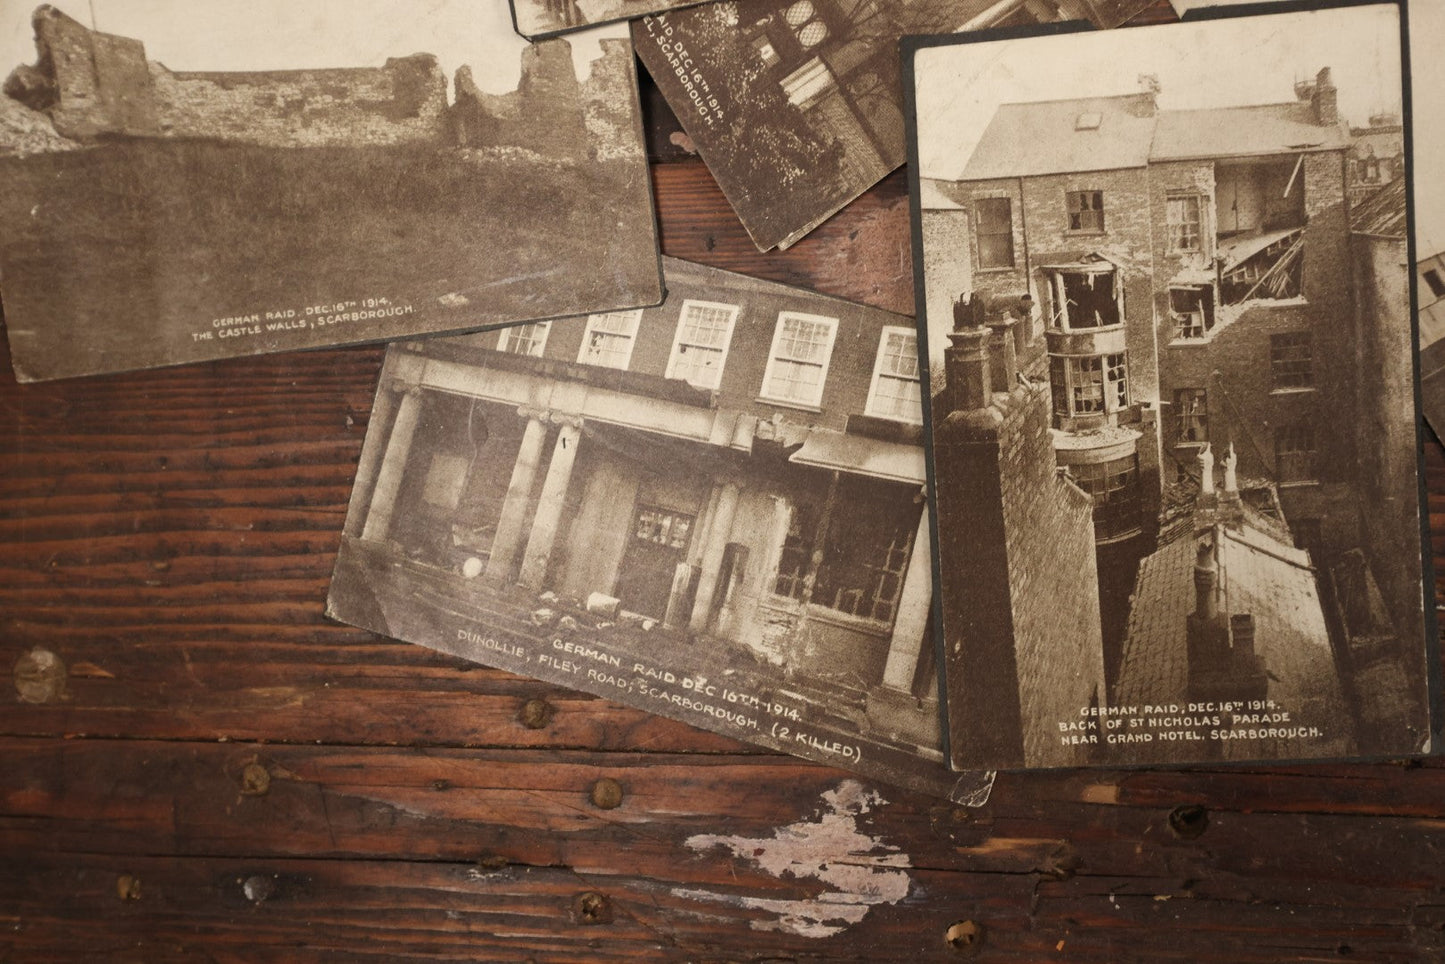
x: 713, y: 510
x: 183, y: 182
x: 538, y: 19
x: 1167, y: 318
x: 1427, y: 93
x: 797, y: 106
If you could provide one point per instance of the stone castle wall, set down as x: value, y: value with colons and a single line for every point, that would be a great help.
x: 94, y: 85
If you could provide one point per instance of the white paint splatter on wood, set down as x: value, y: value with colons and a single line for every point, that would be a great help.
x: 858, y: 871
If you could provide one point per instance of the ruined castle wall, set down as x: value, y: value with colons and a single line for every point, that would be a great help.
x: 400, y: 103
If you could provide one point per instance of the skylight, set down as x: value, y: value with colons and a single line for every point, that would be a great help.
x: 1088, y: 121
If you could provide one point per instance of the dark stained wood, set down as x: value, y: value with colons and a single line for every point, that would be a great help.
x: 218, y: 773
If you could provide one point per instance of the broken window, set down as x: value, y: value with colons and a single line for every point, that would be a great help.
x: 524, y: 339
x: 609, y: 339
x: 1192, y: 310
x: 847, y: 548
x: 1294, y: 451
x: 1191, y: 414
x: 1114, y: 486
x: 704, y: 331
x: 1182, y: 222
x: 995, y: 231
x: 1086, y: 211
x: 1086, y: 297
x: 896, y: 392
x: 1089, y: 384
x: 1290, y: 362
x: 798, y: 363
x: 1267, y: 265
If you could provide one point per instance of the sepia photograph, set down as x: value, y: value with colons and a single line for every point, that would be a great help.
x: 536, y: 19
x: 713, y: 510
x: 1169, y: 347
x: 1427, y: 93
x: 797, y: 105
x: 183, y: 182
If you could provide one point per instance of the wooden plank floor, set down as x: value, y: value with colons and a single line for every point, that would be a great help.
x: 196, y: 765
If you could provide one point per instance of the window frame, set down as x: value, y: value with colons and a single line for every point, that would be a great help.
x: 504, y: 336
x: 871, y: 406
x: 1071, y: 212
x: 1291, y: 372
x: 1199, y: 415
x: 1204, y: 312
x: 771, y: 369
x: 980, y: 234
x: 634, y: 314
x: 674, y: 356
x: 1170, y: 224
x: 1434, y: 282
x: 1304, y: 457
x: 1113, y: 392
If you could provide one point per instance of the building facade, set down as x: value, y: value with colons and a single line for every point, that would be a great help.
x: 739, y: 468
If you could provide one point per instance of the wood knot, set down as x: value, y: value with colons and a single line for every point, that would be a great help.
x: 39, y: 676
x: 607, y: 794
x: 255, y: 780
x: 536, y: 714
x: 127, y: 887
x: 1189, y: 821
x: 966, y: 937
x: 592, y: 908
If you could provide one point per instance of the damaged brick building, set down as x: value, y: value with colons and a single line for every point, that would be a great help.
x: 738, y: 471
x: 1183, y: 281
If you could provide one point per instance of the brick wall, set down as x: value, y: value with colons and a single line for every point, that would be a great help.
x: 1021, y: 610
x: 1387, y: 443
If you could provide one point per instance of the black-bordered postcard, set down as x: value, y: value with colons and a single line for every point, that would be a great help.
x: 713, y: 510
x: 796, y: 105
x: 539, y: 19
x: 1168, y: 329
x: 192, y: 181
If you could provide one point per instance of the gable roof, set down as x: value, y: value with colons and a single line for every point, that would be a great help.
x: 1243, y: 131
x: 1045, y: 137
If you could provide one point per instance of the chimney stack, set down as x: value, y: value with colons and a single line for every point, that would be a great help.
x: 1325, y: 99
x: 966, y: 364
x: 1241, y: 631
x: 1206, y: 581
x: 1003, y: 354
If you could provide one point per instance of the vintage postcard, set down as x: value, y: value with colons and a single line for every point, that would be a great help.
x: 537, y: 19
x: 1169, y: 344
x: 1427, y: 94
x: 184, y: 181
x: 797, y: 106
x: 713, y: 510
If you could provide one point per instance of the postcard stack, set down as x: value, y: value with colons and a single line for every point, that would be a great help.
x: 1139, y: 486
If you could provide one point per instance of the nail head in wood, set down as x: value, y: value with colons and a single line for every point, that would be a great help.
x: 257, y: 888
x: 592, y: 908
x: 966, y: 937
x: 127, y: 887
x: 255, y: 780
x: 536, y: 714
x: 39, y: 676
x: 607, y: 794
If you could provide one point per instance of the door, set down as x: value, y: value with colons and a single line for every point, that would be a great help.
x: 657, y: 543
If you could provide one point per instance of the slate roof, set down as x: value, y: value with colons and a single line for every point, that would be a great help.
x: 1381, y: 214
x: 1042, y: 137
x: 1259, y: 575
x: 1243, y: 131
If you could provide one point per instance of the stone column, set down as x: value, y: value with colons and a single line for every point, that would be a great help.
x: 511, y: 525
x: 393, y: 467
x: 712, y: 554
x: 910, y: 623
x: 550, y: 505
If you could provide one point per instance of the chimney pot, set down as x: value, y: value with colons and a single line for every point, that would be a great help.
x: 1241, y: 632
x: 1206, y: 580
x: 1003, y: 354
x: 966, y: 363
x: 1206, y: 470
